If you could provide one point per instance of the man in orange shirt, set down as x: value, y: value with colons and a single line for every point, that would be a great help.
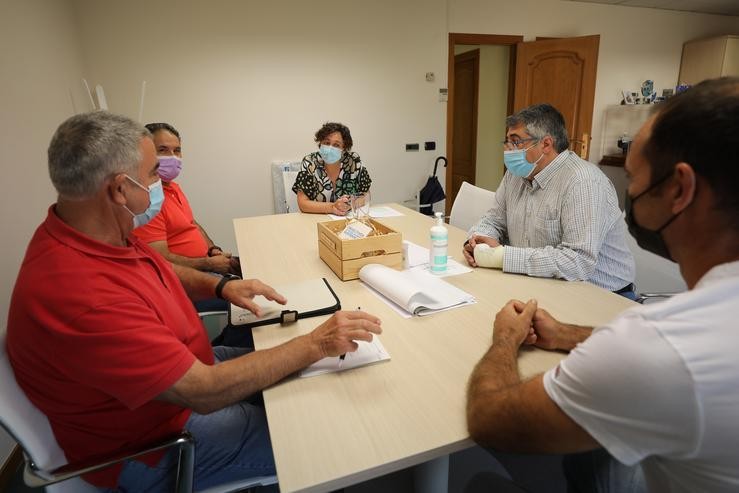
x: 174, y: 232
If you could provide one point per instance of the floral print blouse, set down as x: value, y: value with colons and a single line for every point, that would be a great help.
x: 314, y: 182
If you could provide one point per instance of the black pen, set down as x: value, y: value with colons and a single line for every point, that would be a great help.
x: 341, y: 358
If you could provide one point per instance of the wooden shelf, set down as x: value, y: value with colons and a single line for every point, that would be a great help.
x: 613, y: 160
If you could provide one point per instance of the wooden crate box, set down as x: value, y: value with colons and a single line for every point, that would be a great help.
x: 346, y: 257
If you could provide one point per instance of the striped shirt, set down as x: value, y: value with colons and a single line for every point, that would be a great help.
x: 564, y: 223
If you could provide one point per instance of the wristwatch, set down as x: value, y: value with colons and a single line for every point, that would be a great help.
x: 219, y: 287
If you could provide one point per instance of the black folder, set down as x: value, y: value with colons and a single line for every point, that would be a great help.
x: 305, y: 299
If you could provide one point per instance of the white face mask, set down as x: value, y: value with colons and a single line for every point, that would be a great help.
x: 515, y: 161
x: 156, y: 199
x: 330, y: 154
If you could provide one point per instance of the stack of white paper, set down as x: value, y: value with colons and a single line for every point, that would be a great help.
x: 417, y: 292
x: 366, y: 354
x: 417, y: 257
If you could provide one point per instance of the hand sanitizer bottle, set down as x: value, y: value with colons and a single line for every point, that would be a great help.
x: 439, y: 243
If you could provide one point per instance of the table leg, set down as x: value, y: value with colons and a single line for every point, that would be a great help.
x: 432, y: 476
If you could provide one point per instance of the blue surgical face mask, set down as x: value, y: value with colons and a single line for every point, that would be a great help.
x: 517, y: 163
x: 156, y: 199
x: 329, y: 154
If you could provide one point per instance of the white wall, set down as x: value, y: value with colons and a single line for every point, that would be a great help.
x: 40, y: 62
x: 248, y: 83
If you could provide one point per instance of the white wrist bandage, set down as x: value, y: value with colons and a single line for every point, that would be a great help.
x: 487, y: 256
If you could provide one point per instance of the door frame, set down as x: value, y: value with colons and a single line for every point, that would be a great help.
x: 474, y: 56
x: 472, y: 39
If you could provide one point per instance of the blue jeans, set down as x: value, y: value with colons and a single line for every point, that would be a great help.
x: 230, y: 444
x: 598, y: 472
x: 211, y: 305
x: 628, y: 294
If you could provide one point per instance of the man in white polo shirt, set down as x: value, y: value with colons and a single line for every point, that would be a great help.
x: 657, y: 386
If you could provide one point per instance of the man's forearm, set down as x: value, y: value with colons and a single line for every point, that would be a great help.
x: 497, y: 369
x: 206, y: 389
x: 570, y: 335
x: 486, y: 402
x: 487, y: 226
x: 198, y: 285
x: 198, y: 263
x: 550, y: 261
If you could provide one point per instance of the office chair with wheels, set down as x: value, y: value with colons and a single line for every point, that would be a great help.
x: 470, y: 205
x: 46, y: 465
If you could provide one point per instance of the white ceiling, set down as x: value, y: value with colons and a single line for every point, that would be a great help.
x: 721, y: 7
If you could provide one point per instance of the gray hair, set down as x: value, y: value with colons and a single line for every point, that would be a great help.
x: 541, y: 120
x: 89, y: 148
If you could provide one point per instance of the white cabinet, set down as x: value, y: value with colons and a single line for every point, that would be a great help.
x: 709, y: 58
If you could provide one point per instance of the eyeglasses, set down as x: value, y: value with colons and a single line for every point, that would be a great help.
x: 518, y: 143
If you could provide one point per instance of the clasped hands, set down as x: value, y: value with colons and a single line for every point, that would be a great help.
x: 519, y: 323
x: 223, y: 263
x: 333, y: 337
x: 342, y: 206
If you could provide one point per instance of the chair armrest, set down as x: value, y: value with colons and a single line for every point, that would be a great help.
x: 212, y: 313
x: 36, y: 477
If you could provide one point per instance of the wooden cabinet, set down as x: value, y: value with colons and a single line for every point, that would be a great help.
x: 709, y: 58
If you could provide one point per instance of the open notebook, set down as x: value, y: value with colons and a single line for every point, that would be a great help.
x: 366, y: 354
x: 308, y: 298
x: 417, y: 292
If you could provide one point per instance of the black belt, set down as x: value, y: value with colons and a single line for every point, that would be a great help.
x: 626, y: 289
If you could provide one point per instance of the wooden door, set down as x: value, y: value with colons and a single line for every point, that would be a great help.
x: 466, y: 82
x: 560, y: 72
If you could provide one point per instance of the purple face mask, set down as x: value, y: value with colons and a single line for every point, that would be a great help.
x: 169, y: 167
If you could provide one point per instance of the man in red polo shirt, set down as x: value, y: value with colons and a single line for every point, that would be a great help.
x: 174, y: 232
x: 104, y: 340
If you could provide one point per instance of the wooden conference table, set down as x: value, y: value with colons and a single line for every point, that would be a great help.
x: 339, y: 429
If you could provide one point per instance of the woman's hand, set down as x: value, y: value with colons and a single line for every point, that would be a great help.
x: 341, y: 206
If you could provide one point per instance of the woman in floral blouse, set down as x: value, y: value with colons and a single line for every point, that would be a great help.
x: 331, y: 175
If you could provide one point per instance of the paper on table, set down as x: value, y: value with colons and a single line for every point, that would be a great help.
x: 418, y: 292
x: 366, y: 354
x: 403, y: 313
x: 418, y: 259
x: 453, y: 268
x: 384, y: 211
x: 375, y: 212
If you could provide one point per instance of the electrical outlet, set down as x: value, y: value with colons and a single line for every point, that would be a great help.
x: 429, y: 146
x: 411, y: 147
